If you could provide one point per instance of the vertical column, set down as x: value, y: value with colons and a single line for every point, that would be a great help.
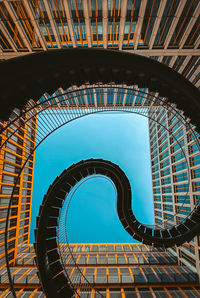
x: 122, y: 23
x: 87, y: 22
x: 105, y: 23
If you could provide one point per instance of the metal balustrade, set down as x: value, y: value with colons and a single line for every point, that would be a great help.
x: 54, y: 111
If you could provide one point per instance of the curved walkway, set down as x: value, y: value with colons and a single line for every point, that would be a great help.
x: 52, y: 275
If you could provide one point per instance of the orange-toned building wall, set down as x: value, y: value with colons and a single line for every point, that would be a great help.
x: 123, y: 270
x: 15, y: 148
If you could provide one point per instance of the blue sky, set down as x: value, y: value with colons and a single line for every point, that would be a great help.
x: 119, y: 137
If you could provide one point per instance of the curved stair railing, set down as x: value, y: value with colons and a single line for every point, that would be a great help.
x: 165, y: 89
x: 44, y: 128
x: 54, y: 278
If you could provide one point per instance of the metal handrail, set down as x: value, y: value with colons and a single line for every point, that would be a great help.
x: 32, y: 109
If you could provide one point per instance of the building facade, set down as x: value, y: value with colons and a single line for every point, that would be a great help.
x: 112, y: 270
x: 170, y: 182
x: 165, y: 30
x: 175, y: 163
x: 13, y: 155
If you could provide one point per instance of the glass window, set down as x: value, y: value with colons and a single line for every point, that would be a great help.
x: 111, y: 259
x: 138, y: 275
x: 180, y: 166
x: 181, y: 188
x: 101, y: 275
x: 113, y: 275
x: 164, y: 164
x: 92, y: 259
x: 177, y: 146
x: 121, y: 259
x: 6, y: 189
x: 180, y: 177
x: 125, y: 275
x: 166, y: 180
x: 182, y: 199
x: 82, y: 259
x: 195, y: 160
x: 118, y: 248
x: 167, y: 189
x: 165, y: 172
x: 196, y: 173
x: 167, y: 199
x: 102, y: 259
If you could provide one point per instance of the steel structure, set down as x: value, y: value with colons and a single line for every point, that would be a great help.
x: 120, y: 65
x: 71, y: 67
x: 171, y: 179
x: 167, y: 31
x: 115, y: 270
x: 54, y: 279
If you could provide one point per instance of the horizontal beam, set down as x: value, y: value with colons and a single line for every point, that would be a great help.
x: 165, y: 52
x: 171, y: 52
